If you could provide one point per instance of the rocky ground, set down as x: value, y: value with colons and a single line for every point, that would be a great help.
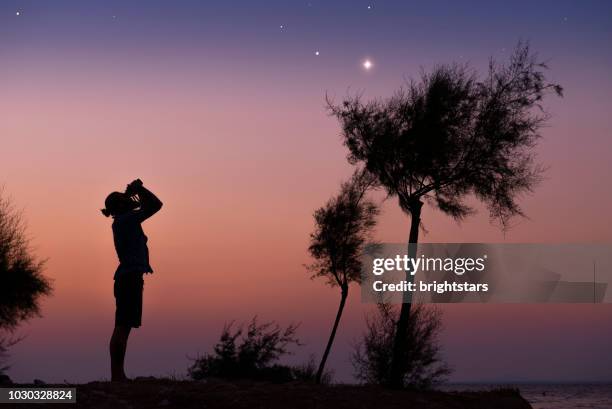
x: 159, y: 393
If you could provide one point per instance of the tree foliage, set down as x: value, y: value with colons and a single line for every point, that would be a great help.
x: 453, y: 134
x: 21, y: 280
x: 342, y: 228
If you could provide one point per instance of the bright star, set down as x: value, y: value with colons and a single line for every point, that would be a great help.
x: 18, y: 13
x: 317, y: 53
x: 367, y: 64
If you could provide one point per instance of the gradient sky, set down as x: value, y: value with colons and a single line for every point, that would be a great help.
x: 221, y: 112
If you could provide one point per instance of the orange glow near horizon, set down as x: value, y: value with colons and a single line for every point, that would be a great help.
x: 241, y: 151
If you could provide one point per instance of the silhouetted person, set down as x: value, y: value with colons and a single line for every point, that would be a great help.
x: 129, y: 210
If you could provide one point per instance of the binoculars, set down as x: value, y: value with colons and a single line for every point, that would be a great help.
x: 132, y: 188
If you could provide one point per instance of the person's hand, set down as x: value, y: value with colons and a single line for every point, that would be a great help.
x: 132, y: 188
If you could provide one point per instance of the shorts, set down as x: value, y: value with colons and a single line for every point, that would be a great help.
x: 128, y: 300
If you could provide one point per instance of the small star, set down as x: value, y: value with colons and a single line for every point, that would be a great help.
x: 317, y: 53
x: 367, y: 64
x: 18, y: 13
x: 282, y: 27
x: 370, y: 7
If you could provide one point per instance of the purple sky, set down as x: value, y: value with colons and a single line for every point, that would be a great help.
x: 219, y: 108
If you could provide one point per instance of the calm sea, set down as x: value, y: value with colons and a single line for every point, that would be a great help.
x: 553, y: 396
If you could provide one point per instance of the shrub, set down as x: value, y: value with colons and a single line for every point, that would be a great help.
x: 22, y: 283
x: 307, y: 372
x: 249, y: 353
x: 423, y: 366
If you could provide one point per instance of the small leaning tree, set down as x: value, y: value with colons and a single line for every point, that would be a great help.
x: 447, y: 137
x: 342, y: 229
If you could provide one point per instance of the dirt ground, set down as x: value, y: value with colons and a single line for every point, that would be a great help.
x: 159, y: 393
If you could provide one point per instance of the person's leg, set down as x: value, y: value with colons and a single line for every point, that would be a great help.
x: 118, y: 346
x: 128, y: 296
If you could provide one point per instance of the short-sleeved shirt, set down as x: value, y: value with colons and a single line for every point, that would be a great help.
x: 131, y: 243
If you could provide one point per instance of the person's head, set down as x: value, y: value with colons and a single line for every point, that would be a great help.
x: 117, y: 203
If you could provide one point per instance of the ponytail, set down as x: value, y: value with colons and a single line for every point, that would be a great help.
x: 115, y: 203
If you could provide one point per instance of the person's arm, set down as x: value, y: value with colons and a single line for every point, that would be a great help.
x: 149, y: 203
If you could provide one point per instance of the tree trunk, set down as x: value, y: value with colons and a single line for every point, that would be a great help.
x: 398, y: 359
x: 344, y: 295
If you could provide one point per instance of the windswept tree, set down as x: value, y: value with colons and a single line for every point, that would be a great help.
x: 450, y: 136
x: 342, y: 229
x: 21, y: 280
